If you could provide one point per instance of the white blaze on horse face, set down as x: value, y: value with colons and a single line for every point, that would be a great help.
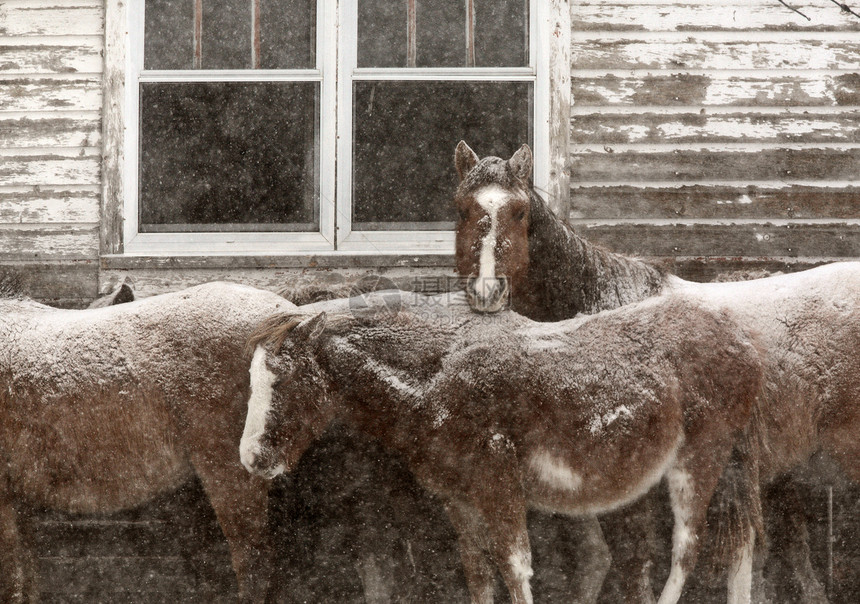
x: 259, y: 406
x: 491, y: 198
x: 554, y: 472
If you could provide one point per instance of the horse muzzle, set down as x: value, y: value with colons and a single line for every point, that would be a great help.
x: 257, y: 462
x: 488, y: 295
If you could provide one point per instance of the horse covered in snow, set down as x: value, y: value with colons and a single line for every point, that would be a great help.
x: 511, y: 246
x: 576, y: 417
x: 105, y: 409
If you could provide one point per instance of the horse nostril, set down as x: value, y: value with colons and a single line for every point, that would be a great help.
x: 251, y: 459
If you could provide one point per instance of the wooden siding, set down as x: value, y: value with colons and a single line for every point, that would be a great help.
x: 716, y: 128
x: 50, y: 145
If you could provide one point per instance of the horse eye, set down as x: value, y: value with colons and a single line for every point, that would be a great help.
x: 519, y: 215
x: 464, y: 213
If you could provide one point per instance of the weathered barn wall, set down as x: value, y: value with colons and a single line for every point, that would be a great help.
x: 50, y: 144
x: 716, y: 128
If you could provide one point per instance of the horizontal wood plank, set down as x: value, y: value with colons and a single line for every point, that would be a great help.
x: 50, y: 94
x: 751, y: 127
x: 737, y: 15
x: 52, y: 131
x: 57, y: 167
x: 42, y: 242
x: 48, y: 206
x: 85, y: 56
x: 716, y: 89
x: 53, y: 18
x: 714, y: 202
x: 716, y: 268
x: 797, y: 240
x: 151, y: 277
x: 691, y: 53
x: 63, y: 283
x: 748, y: 164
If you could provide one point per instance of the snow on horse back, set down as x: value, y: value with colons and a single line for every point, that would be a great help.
x: 617, y: 402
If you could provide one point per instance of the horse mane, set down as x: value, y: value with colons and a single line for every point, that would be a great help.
x: 579, y: 275
x: 275, y: 329
x: 321, y: 291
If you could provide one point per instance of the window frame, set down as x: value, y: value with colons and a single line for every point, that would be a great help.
x: 335, y: 72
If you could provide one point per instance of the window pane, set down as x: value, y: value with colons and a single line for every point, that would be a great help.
x: 169, y: 34
x: 288, y: 34
x: 501, y: 33
x: 440, y: 33
x: 283, y: 32
x: 222, y: 156
x: 404, y: 139
x: 382, y: 33
x: 227, y: 34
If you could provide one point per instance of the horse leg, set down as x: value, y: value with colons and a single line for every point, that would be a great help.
x: 740, y: 573
x: 17, y: 564
x: 594, y: 561
x: 471, y: 537
x: 789, y: 543
x: 690, y: 493
x: 505, y: 518
x: 240, y: 501
x: 630, y: 535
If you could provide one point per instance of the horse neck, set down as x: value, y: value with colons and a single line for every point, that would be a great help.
x: 568, y: 275
x: 365, y: 378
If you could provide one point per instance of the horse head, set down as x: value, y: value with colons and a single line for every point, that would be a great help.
x: 493, y: 203
x: 290, y: 402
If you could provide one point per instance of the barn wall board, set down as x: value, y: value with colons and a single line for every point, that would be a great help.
x: 716, y: 129
x: 50, y: 145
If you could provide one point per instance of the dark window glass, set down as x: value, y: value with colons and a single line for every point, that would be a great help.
x: 404, y: 139
x: 501, y: 33
x: 288, y: 34
x: 226, y: 34
x: 382, y: 33
x: 284, y: 34
x: 439, y: 33
x: 222, y: 156
x: 169, y: 34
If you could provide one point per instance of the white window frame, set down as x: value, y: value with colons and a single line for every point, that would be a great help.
x: 335, y: 71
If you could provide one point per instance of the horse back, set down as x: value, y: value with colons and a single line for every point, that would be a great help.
x: 808, y: 327
x: 92, y: 397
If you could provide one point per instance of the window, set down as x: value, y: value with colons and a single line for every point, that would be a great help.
x: 305, y: 126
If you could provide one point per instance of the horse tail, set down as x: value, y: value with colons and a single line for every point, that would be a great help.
x: 734, y: 515
x: 10, y: 286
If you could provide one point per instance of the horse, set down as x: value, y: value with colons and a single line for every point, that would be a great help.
x: 105, y: 409
x: 511, y: 246
x: 576, y: 417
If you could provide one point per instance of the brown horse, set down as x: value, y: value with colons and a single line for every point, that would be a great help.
x: 576, y: 417
x: 105, y: 409
x: 809, y: 322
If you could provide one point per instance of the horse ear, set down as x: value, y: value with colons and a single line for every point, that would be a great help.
x: 521, y: 163
x: 465, y: 159
x: 311, y: 329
